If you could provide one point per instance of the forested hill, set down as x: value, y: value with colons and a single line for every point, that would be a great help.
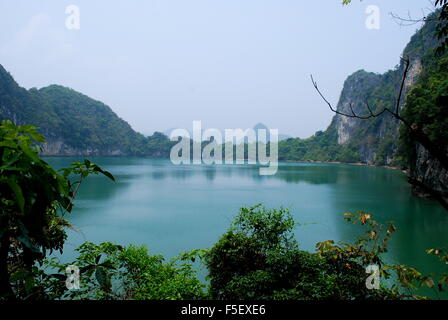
x: 75, y: 124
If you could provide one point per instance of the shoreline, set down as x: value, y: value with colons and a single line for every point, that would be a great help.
x: 361, y: 164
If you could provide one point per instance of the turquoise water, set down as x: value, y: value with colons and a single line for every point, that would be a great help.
x: 172, y: 209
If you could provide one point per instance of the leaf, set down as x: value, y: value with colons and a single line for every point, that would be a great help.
x: 106, y: 173
x: 25, y: 239
x: 8, y: 144
x: 58, y: 276
x: 87, y: 269
x: 18, y: 194
x: 103, y: 278
x: 428, y: 282
x: 108, y: 265
x: 364, y: 217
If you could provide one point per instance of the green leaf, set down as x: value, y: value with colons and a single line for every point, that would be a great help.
x: 25, y: 239
x: 108, y: 174
x: 18, y: 194
x: 103, y: 278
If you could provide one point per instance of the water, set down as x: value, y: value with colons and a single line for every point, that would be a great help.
x: 173, y: 209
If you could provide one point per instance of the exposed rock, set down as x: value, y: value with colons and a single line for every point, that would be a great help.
x: 430, y: 172
x: 354, y: 93
x: 59, y: 148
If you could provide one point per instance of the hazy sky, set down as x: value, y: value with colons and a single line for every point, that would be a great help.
x: 161, y: 64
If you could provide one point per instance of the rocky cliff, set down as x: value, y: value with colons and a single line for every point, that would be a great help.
x: 430, y: 172
x: 383, y: 140
x: 377, y: 140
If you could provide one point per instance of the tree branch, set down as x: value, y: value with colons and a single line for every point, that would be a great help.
x: 371, y: 113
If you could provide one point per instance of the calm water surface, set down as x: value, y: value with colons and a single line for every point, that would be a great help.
x: 172, y: 209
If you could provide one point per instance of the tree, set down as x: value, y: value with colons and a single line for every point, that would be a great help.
x: 34, y: 199
x: 114, y: 272
x: 259, y: 258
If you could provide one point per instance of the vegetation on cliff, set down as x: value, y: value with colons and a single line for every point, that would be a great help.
x: 427, y: 108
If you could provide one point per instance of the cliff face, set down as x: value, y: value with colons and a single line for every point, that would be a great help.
x: 430, y: 172
x: 58, y: 147
x: 377, y: 140
x: 356, y: 89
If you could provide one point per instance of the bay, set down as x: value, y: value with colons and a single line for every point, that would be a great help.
x: 172, y: 209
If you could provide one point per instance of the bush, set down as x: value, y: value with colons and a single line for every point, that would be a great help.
x: 113, y: 272
x: 259, y: 258
x: 34, y: 199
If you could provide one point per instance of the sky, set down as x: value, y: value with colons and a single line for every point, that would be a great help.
x: 162, y: 64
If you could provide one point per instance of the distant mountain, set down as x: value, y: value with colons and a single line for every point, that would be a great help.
x: 73, y: 123
x: 189, y: 136
x: 256, y: 128
x: 260, y: 126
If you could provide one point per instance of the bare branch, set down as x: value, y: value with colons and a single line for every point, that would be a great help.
x: 353, y: 113
x: 409, y: 21
x: 370, y: 110
x: 405, y: 74
x: 351, y: 108
x: 368, y: 107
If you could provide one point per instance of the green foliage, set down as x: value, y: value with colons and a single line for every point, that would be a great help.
x: 89, y: 124
x: 158, y: 145
x: 347, y: 262
x: 270, y: 228
x: 427, y: 108
x: 442, y: 282
x: 259, y: 258
x: 113, y: 272
x: 34, y: 198
x: 323, y: 146
x: 442, y: 28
